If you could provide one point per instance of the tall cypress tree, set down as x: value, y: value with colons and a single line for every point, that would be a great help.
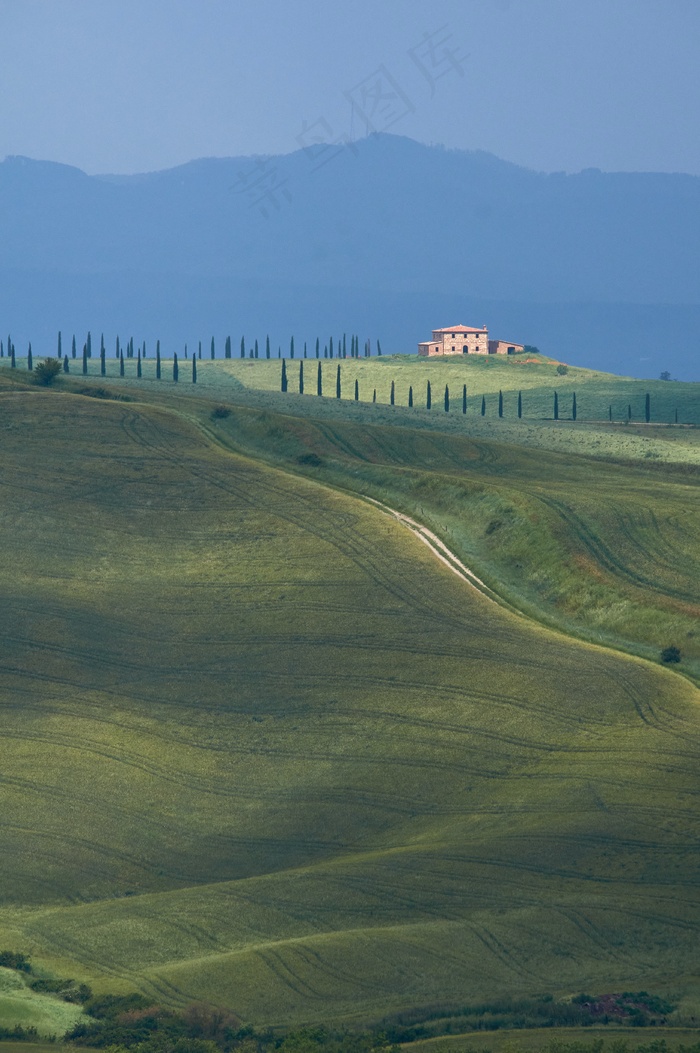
x: 391, y: 394
x: 2, y: 350
x: 158, y: 360
x: 318, y: 348
x: 227, y: 347
x: 345, y: 347
x: 379, y: 349
x: 428, y: 397
x: 88, y: 345
x: 13, y: 362
x: 194, y: 369
x: 242, y: 347
x: 256, y: 351
x: 301, y: 377
x: 483, y: 405
x: 647, y: 408
x: 283, y: 385
x: 194, y: 356
x: 447, y: 399
x: 410, y: 397
x: 59, y: 352
x: 291, y: 348
x: 66, y: 368
x: 520, y: 404
x: 374, y: 395
x: 30, y: 360
x: 610, y: 414
x: 464, y: 398
x: 102, y: 344
x: 357, y: 390
x: 176, y: 368
x: 305, y: 349
x: 500, y: 403
x: 325, y: 351
x: 73, y: 348
x: 330, y: 348
x: 138, y: 364
x: 121, y: 363
x: 103, y: 361
x: 116, y: 352
x: 319, y: 380
x: 85, y: 358
x: 574, y: 408
x: 199, y: 349
x: 212, y: 351
x: 337, y: 383
x: 556, y: 406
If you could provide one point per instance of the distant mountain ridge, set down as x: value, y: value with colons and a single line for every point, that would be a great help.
x: 388, y: 236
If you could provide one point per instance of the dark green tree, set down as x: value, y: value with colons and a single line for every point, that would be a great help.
x: 102, y: 344
x: 483, y: 405
x: 267, y: 347
x: 670, y: 654
x: 556, y: 406
x: 291, y: 348
x: 121, y: 363
x: 391, y: 394
x: 176, y: 368
x: 227, y: 347
x: 242, y: 347
x: 428, y: 397
x: 103, y: 361
x: 574, y: 407
x: 158, y: 360
x: 73, y: 348
x: 47, y: 371
x: 301, y: 377
x: 117, y: 349
x: 500, y: 403
x: 520, y: 404
x: 305, y: 349
x: 59, y: 353
x: 647, y: 408
x: 194, y: 369
x: 85, y: 358
x: 138, y: 363
x: 344, y: 345
x: 357, y: 390
x: 379, y: 348
x: 66, y: 368
x: 610, y: 414
x: 325, y: 351
x: 447, y: 399
x: 88, y: 345
x: 283, y: 382
x: 30, y: 360
x: 330, y: 348
x: 318, y: 348
x: 337, y: 383
x: 464, y: 399
x: 374, y: 395
x: 319, y: 380
x: 212, y: 350
x: 410, y: 397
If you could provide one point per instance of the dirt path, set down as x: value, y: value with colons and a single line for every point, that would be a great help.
x: 440, y: 549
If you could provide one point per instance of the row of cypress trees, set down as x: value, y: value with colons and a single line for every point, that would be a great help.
x: 284, y: 386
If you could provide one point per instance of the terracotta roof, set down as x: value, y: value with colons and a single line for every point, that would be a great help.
x: 460, y: 329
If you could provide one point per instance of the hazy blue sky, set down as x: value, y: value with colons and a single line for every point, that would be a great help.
x: 136, y: 85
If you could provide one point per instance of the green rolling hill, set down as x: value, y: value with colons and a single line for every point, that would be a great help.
x: 262, y: 749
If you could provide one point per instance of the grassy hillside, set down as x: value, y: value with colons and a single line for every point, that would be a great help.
x: 260, y: 748
x: 20, y: 1005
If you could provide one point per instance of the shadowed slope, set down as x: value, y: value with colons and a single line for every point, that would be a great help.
x: 260, y: 748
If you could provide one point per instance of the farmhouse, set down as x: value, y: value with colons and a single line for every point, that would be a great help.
x: 466, y: 340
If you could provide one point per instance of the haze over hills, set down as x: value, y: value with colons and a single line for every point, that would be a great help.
x: 387, y: 237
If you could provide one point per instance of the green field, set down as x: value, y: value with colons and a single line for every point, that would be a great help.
x: 20, y: 1005
x: 534, y: 1040
x: 262, y: 749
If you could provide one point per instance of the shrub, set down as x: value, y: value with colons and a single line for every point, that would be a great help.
x: 47, y: 371
x: 670, y: 654
x: 15, y: 960
x: 220, y: 412
x: 562, y: 370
